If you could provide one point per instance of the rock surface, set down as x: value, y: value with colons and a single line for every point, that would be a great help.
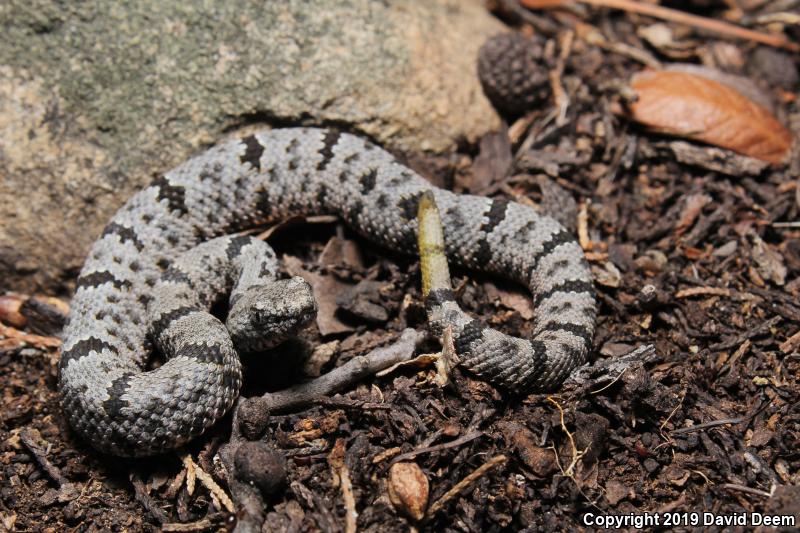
x: 96, y: 99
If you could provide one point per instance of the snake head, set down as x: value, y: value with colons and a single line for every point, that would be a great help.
x: 265, y: 315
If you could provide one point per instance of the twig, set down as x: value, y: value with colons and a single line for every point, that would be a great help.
x: 175, y: 485
x: 790, y: 344
x: 748, y: 490
x: 464, y: 484
x: 144, y: 498
x: 583, y: 228
x: 430, y: 449
x: 559, y: 94
x: 351, y: 515
x: 29, y: 441
x: 673, y: 15
x: 593, y: 36
x: 703, y: 291
x: 341, y: 476
x: 37, y: 341
x: 448, y: 359
x: 344, y: 376
x: 190, y: 473
x: 705, y: 425
x: 200, y: 525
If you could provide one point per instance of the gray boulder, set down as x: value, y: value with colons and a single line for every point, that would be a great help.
x: 97, y: 98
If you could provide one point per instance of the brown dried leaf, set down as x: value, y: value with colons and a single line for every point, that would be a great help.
x: 769, y: 262
x: 10, y: 305
x: 692, y: 208
x: 616, y: 492
x: 683, y: 104
x: 326, y: 289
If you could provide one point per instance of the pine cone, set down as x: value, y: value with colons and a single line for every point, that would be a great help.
x: 511, y: 72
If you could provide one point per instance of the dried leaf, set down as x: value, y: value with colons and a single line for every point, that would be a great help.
x: 516, y: 301
x: 740, y: 84
x: 326, y: 289
x: 769, y: 262
x: 616, y: 492
x: 607, y: 274
x: 10, y: 305
x: 692, y: 208
x: 683, y: 104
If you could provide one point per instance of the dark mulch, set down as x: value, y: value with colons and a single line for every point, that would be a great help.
x: 687, y: 259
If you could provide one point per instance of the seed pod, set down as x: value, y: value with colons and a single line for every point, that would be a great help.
x: 408, y: 490
x: 512, y: 72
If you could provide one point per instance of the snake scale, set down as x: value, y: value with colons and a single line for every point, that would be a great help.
x: 168, y: 255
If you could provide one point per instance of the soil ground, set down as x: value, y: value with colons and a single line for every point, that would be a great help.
x: 690, y: 260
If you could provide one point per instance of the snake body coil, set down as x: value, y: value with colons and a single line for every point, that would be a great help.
x: 163, y: 260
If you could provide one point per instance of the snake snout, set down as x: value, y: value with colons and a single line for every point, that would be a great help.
x: 265, y: 315
x: 291, y: 305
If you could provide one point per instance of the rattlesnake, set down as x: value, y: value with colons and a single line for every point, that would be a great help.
x: 147, y: 282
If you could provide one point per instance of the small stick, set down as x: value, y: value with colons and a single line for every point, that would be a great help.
x: 200, y: 525
x: 673, y: 15
x: 705, y: 425
x: 748, y: 490
x: 429, y: 449
x: 465, y: 484
x: 559, y: 94
x: 29, y: 440
x: 583, y: 228
x: 175, y: 485
x: 30, y: 339
x: 790, y: 344
x: 351, y: 515
x: 347, y: 374
x: 147, y: 502
x: 703, y: 291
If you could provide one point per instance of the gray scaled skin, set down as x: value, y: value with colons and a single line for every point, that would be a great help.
x: 146, y: 281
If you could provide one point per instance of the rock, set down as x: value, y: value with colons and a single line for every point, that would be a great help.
x: 96, y: 99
